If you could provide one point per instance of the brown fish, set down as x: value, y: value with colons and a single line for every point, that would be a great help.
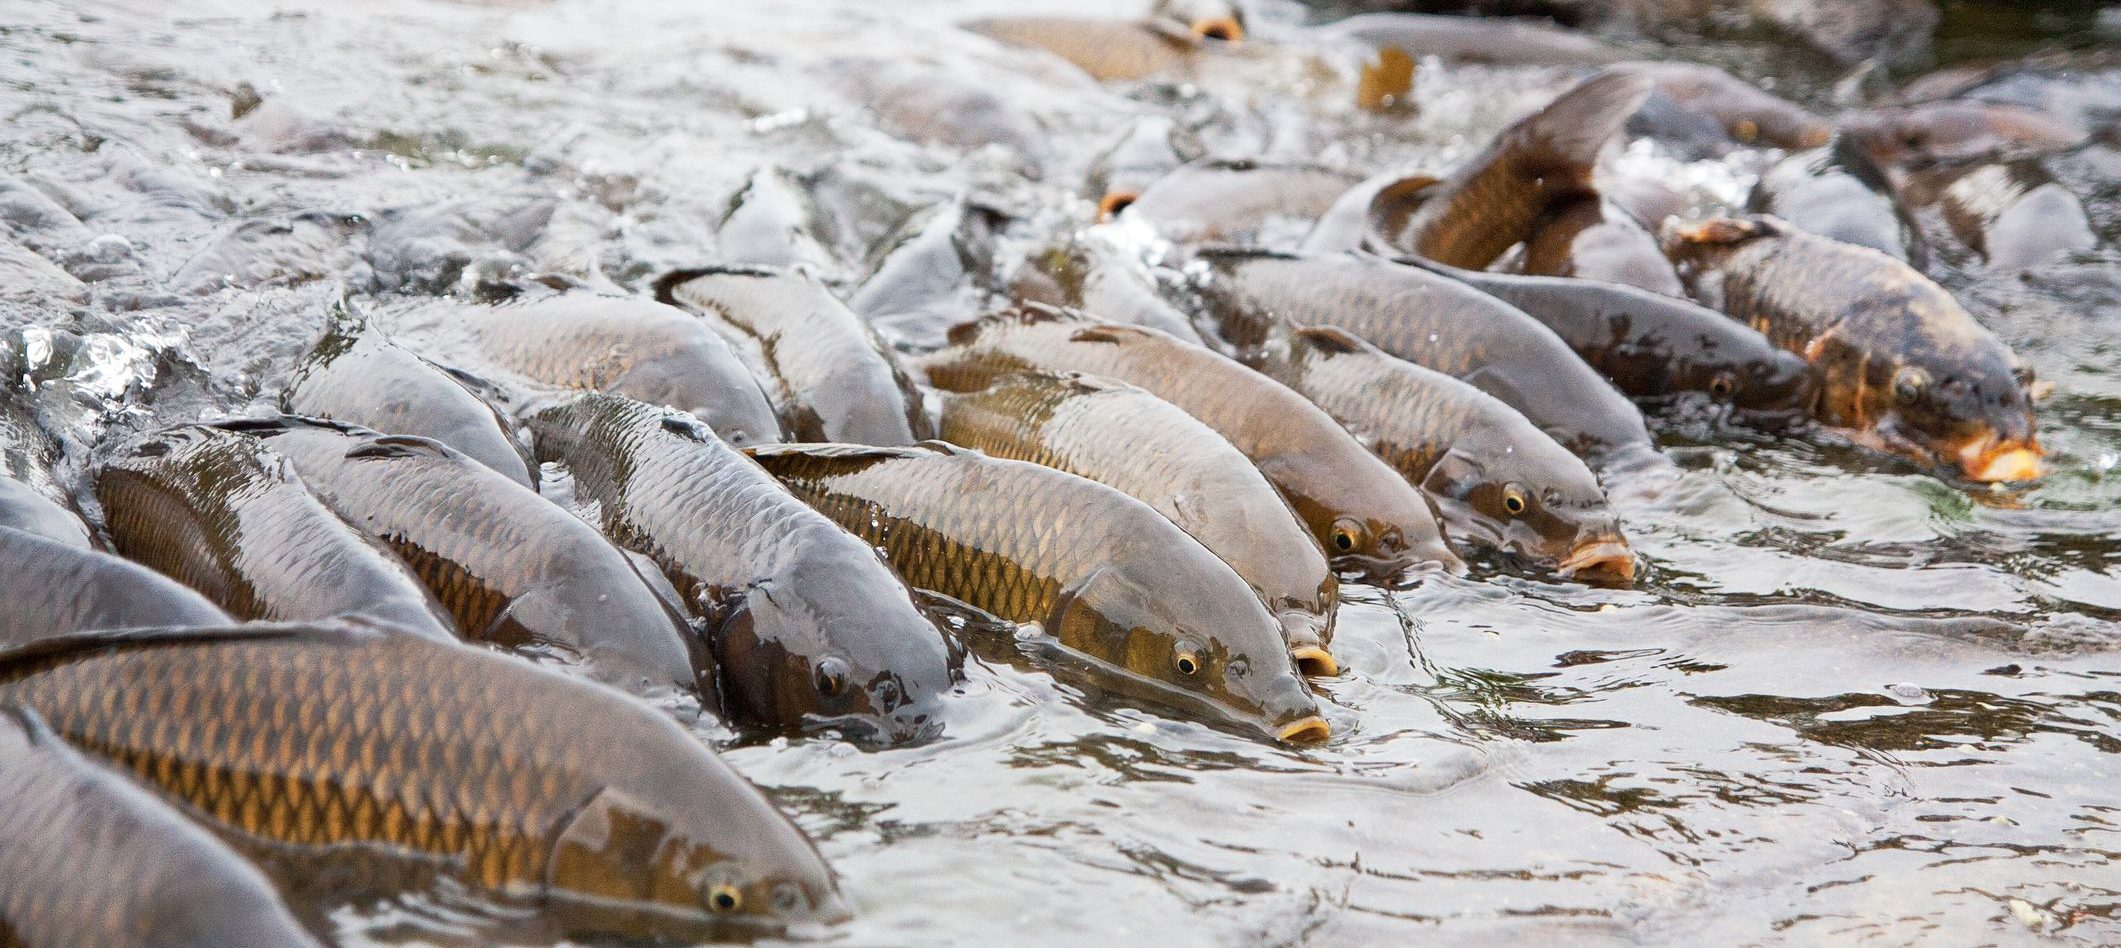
x: 949, y: 105
x: 1365, y: 517
x: 1147, y: 448
x: 355, y: 374
x: 1654, y: 346
x: 810, y: 629
x: 828, y: 373
x: 87, y: 858
x: 334, y: 746
x: 1746, y: 113
x: 1594, y: 239
x: 1432, y: 321
x: 1491, y: 202
x: 1958, y: 133
x: 1903, y: 366
x: 1110, y: 579
x: 226, y: 516
x: 23, y: 508
x: 1091, y: 273
x: 53, y: 588
x: 1498, y: 481
x: 1218, y: 200
x: 1498, y: 40
x: 929, y: 274
x: 1109, y: 50
x: 511, y: 567
x: 1208, y: 19
x: 638, y: 348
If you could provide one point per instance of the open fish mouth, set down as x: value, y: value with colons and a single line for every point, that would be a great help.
x: 1993, y: 462
x: 1605, y: 561
x: 1308, y: 730
x: 1109, y: 206
x: 1314, y: 661
x: 1222, y: 28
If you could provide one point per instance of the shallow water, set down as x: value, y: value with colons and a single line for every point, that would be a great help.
x: 1850, y: 703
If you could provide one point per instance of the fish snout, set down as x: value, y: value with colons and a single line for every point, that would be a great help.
x: 1993, y: 461
x: 1109, y: 206
x: 1224, y: 28
x: 1604, y: 559
x: 1306, y: 634
x: 1292, y: 717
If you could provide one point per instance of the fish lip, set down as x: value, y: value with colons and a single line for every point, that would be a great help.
x: 1608, y: 559
x: 1223, y: 28
x: 1314, y: 661
x: 1310, y: 729
x: 1992, y: 462
x: 1109, y: 206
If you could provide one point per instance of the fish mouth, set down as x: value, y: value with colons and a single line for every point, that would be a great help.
x: 1604, y: 561
x: 1109, y: 206
x: 1314, y: 661
x: 1307, y: 730
x: 1993, y: 462
x: 1222, y: 28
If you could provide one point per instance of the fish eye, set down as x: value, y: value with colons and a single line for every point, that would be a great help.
x: 1514, y: 500
x: 787, y: 899
x: 1909, y: 384
x: 1346, y: 537
x: 724, y: 898
x: 1722, y: 387
x: 831, y: 677
x: 1187, y: 663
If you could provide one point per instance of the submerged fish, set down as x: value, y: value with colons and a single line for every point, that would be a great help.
x: 511, y: 567
x: 54, y: 587
x: 928, y: 274
x: 772, y: 222
x: 1150, y: 149
x: 1498, y: 481
x: 334, y: 746
x: 1901, y: 363
x: 638, y: 348
x: 1110, y: 579
x: 1430, y: 320
x: 831, y: 377
x: 1595, y: 239
x: 1492, y: 201
x: 810, y: 629
x: 1957, y: 133
x: 1365, y: 517
x: 1503, y: 41
x: 1218, y: 200
x: 1743, y: 110
x: 1654, y: 346
x: 1123, y: 437
x: 2016, y: 215
x: 1091, y: 273
x: 226, y: 516
x: 88, y: 858
x: 1836, y: 191
x: 23, y: 508
x: 357, y: 375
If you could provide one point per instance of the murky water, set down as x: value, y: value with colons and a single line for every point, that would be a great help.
x: 1850, y: 704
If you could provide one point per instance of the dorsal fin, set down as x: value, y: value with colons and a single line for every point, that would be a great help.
x: 1238, y: 254
x: 1722, y: 231
x: 399, y: 446
x: 1331, y: 339
x: 280, y: 424
x: 1565, y: 136
x: 689, y: 428
x: 34, y: 730
x: 72, y: 643
x: 666, y: 286
x: 1108, y: 333
x: 1090, y: 384
x: 851, y: 451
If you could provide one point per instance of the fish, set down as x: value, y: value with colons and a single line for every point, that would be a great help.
x: 390, y: 758
x: 1363, y: 514
x: 1150, y: 149
x: 1111, y: 581
x: 772, y: 222
x: 1221, y: 20
x: 1494, y: 198
x: 1221, y: 200
x: 809, y: 627
x: 928, y: 275
x: 1499, y: 40
x: 1595, y: 239
x: 947, y: 105
x: 53, y: 587
x: 1653, y: 346
x: 1745, y: 112
x: 1108, y: 50
x: 87, y: 857
x: 1496, y: 480
x: 829, y: 375
x: 2016, y: 215
x: 1429, y: 320
x: 1836, y: 191
x: 1123, y: 437
x: 1902, y: 365
x: 23, y: 508
x: 356, y: 374
x: 637, y: 348
x: 223, y: 514
x: 512, y: 568
x: 1948, y: 133
x: 1091, y: 272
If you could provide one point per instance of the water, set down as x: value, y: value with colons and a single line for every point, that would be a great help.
x: 1849, y: 703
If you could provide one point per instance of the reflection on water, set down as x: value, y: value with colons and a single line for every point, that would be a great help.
x: 1850, y: 703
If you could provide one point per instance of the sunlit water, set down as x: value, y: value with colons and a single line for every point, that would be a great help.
x: 1851, y: 703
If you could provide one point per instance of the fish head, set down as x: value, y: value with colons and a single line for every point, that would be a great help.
x: 1216, y: 652
x: 820, y: 656
x: 1774, y: 385
x: 1308, y: 630
x: 1975, y: 417
x: 638, y: 863
x: 1543, y: 505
